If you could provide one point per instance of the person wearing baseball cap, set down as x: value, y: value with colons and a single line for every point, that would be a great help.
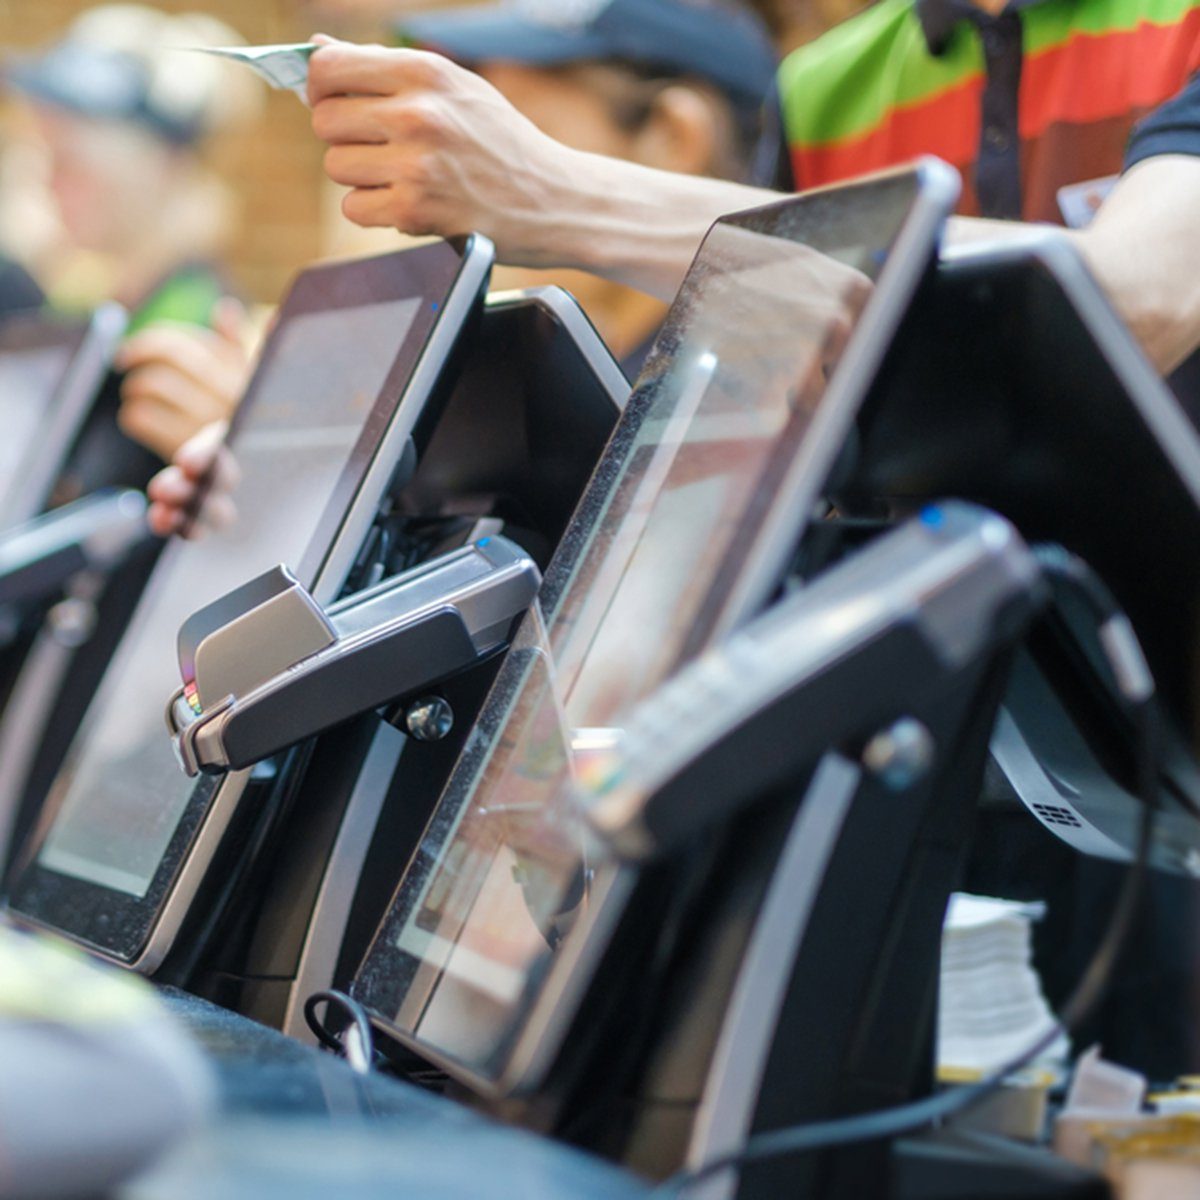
x: 122, y: 118
x: 429, y: 150
x: 680, y: 85
x: 723, y: 43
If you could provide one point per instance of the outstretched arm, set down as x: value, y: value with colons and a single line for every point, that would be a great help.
x: 431, y: 148
x: 1144, y: 244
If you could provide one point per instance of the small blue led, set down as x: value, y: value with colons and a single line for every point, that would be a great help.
x: 933, y: 516
x: 484, y: 541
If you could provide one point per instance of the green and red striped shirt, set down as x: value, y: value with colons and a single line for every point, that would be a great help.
x: 872, y: 92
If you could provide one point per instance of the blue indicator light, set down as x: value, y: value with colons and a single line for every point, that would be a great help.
x: 484, y: 541
x: 933, y: 516
x: 436, y: 306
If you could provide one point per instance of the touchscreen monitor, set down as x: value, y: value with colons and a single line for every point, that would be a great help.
x: 686, y: 529
x: 340, y: 385
x: 1067, y: 421
x: 51, y: 369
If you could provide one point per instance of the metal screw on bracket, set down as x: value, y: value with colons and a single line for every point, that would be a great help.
x: 10, y: 625
x: 901, y: 754
x: 72, y: 622
x: 429, y: 719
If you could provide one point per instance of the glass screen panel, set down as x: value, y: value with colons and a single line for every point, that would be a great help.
x: 122, y: 791
x: 720, y: 413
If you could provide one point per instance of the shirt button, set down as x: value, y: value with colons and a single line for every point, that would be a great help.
x: 995, y: 137
x: 993, y: 43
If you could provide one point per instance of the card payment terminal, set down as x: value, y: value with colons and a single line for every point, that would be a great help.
x: 831, y: 665
x: 265, y: 666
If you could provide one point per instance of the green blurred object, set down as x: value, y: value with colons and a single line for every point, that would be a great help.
x: 188, y: 296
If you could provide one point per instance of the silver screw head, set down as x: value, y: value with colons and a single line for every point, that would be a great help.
x: 900, y: 755
x: 72, y: 622
x: 429, y: 719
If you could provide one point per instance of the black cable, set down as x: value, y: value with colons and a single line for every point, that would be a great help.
x: 1135, y: 685
x: 358, y: 1018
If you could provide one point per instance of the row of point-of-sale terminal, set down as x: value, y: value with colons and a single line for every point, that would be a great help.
x: 616, y: 757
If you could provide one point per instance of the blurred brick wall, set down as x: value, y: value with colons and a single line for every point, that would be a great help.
x: 275, y: 165
x: 794, y: 22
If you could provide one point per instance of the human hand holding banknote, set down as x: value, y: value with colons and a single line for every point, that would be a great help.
x: 284, y: 67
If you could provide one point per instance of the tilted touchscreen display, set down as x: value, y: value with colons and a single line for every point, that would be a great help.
x: 30, y: 374
x: 126, y: 791
x: 701, y: 457
x: 331, y: 378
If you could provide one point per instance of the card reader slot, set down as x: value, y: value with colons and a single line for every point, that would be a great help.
x: 347, y: 685
x: 388, y: 599
x: 261, y: 683
x: 827, y: 668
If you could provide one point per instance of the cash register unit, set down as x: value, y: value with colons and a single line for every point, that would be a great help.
x: 53, y: 371
x: 534, y: 403
x: 1073, y: 436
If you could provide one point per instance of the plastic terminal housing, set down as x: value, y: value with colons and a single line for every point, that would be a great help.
x: 95, y: 533
x: 265, y: 666
x: 836, y: 663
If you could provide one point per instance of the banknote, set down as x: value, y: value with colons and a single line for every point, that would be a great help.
x: 283, y: 67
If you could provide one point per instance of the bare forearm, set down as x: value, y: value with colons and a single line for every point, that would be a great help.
x: 1144, y: 248
x: 427, y: 147
x: 629, y: 223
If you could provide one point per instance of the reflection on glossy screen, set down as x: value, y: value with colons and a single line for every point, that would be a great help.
x: 28, y: 381
x: 719, y: 415
x: 123, y: 793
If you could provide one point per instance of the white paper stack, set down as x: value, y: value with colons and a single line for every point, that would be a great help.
x: 991, y: 1006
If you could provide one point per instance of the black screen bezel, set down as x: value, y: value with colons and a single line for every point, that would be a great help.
x: 115, y: 923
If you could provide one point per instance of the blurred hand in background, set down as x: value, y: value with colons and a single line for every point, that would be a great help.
x: 194, y: 495
x: 180, y: 379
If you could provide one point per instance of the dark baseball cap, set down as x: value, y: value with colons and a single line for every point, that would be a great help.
x: 722, y: 44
